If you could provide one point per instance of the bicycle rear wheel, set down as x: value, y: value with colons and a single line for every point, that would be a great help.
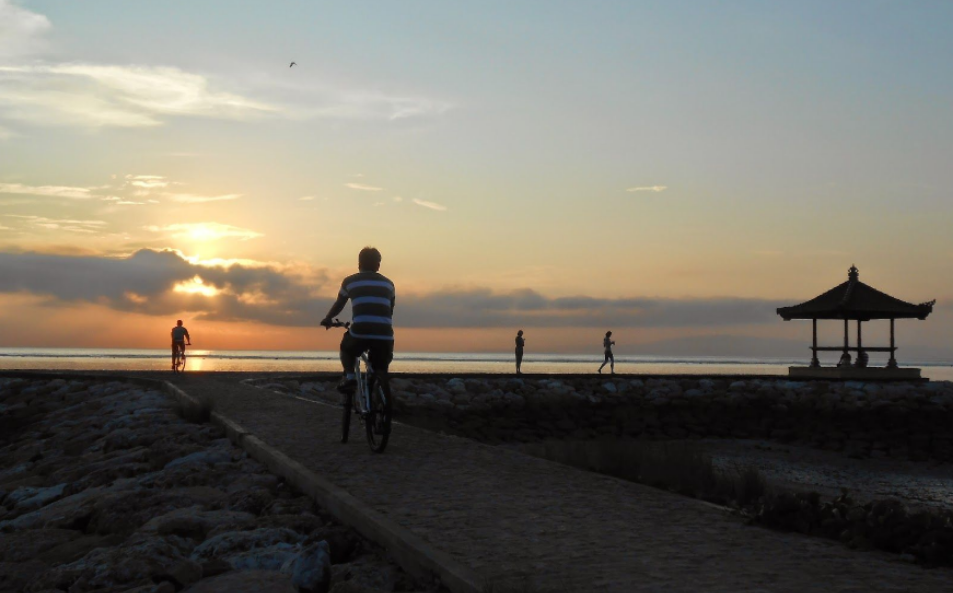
x: 346, y: 418
x: 379, y: 416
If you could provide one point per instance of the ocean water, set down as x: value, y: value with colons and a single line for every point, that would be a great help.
x: 91, y: 359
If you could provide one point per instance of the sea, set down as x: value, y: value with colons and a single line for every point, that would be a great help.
x: 102, y: 359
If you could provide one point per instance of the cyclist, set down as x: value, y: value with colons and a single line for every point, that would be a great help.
x: 179, y: 337
x: 372, y: 310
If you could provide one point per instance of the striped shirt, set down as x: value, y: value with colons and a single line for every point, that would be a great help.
x: 372, y: 305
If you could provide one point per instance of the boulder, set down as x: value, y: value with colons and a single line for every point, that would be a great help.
x: 26, y: 545
x: 234, y: 542
x: 311, y: 570
x: 245, y: 581
x: 196, y: 522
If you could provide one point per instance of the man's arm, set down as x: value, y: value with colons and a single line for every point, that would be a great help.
x: 336, y: 308
x: 188, y: 337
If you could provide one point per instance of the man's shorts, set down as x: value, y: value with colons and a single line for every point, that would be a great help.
x: 380, y: 353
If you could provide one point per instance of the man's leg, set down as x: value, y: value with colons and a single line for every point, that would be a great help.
x: 173, y: 354
x: 380, y: 356
x: 350, y: 350
x: 612, y: 363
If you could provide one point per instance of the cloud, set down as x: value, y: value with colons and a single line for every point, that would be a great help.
x: 148, y: 182
x: 481, y: 307
x: 362, y: 187
x: 306, y: 198
x: 193, y: 199
x: 652, y: 188
x: 205, y: 231
x: 92, y: 95
x: 54, y: 191
x: 398, y: 199
x: 300, y: 295
x: 20, y: 29
x: 6, y: 133
x: 431, y: 205
x: 324, y: 101
x: 164, y: 282
x: 63, y: 224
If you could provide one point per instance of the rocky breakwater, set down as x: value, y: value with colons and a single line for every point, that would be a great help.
x: 104, y: 487
x: 906, y: 420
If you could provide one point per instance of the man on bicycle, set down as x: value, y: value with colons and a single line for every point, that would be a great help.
x: 372, y: 310
x: 179, y: 337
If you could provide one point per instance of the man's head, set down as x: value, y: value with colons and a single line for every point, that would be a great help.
x: 608, y: 334
x: 178, y: 323
x: 519, y: 333
x: 369, y: 259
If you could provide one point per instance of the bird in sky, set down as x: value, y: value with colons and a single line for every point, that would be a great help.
x: 293, y: 64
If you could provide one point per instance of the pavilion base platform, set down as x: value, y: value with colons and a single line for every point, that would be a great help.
x: 856, y: 374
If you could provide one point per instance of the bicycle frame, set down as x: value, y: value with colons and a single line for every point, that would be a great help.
x: 362, y: 396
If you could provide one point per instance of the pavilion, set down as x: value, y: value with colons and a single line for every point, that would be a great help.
x: 854, y: 300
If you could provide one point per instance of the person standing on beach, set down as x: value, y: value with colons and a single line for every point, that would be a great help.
x: 519, y: 351
x: 179, y: 337
x: 607, y: 344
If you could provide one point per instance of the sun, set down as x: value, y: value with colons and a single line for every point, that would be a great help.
x: 196, y: 286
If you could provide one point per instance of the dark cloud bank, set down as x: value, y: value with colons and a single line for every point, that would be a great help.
x: 144, y: 282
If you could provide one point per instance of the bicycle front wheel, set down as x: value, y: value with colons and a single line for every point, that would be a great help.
x: 379, y: 415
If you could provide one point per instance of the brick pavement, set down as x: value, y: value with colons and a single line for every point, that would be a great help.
x: 508, y: 516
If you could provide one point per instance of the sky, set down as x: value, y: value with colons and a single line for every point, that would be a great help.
x: 671, y: 171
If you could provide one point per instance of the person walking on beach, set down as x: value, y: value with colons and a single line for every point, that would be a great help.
x: 607, y: 344
x: 179, y: 337
x: 519, y: 351
x: 372, y: 298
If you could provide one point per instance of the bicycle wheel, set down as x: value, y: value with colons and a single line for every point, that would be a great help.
x: 379, y: 416
x: 346, y: 418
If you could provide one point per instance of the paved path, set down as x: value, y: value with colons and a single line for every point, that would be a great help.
x: 507, y: 515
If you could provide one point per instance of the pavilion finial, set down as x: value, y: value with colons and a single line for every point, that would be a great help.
x: 853, y: 273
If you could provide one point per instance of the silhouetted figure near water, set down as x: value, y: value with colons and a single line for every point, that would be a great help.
x: 607, y: 343
x: 179, y: 337
x: 520, y: 342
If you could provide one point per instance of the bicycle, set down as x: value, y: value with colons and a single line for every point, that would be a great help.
x: 370, y: 400
x: 178, y: 362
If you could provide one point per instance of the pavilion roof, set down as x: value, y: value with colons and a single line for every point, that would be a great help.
x: 858, y: 301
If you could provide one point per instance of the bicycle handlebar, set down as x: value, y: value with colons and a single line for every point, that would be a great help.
x: 337, y: 323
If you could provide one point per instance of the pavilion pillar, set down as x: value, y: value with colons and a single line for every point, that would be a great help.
x: 846, y: 339
x: 815, y: 363
x: 892, y: 363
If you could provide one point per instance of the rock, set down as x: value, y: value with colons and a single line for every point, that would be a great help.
x: 245, y: 581
x: 202, y: 458
x: 196, y: 523
x: 234, y: 542
x: 303, y: 524
x: 163, y: 587
x: 311, y: 570
x: 182, y: 574
x: 72, y: 551
x: 610, y: 387
x: 457, y: 386
x: 141, y: 558
x: 14, y: 576
x: 368, y: 573
x: 26, y: 545
x: 26, y: 498
x: 270, y: 558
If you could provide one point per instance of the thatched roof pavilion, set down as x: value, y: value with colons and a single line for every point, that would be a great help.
x: 854, y: 300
